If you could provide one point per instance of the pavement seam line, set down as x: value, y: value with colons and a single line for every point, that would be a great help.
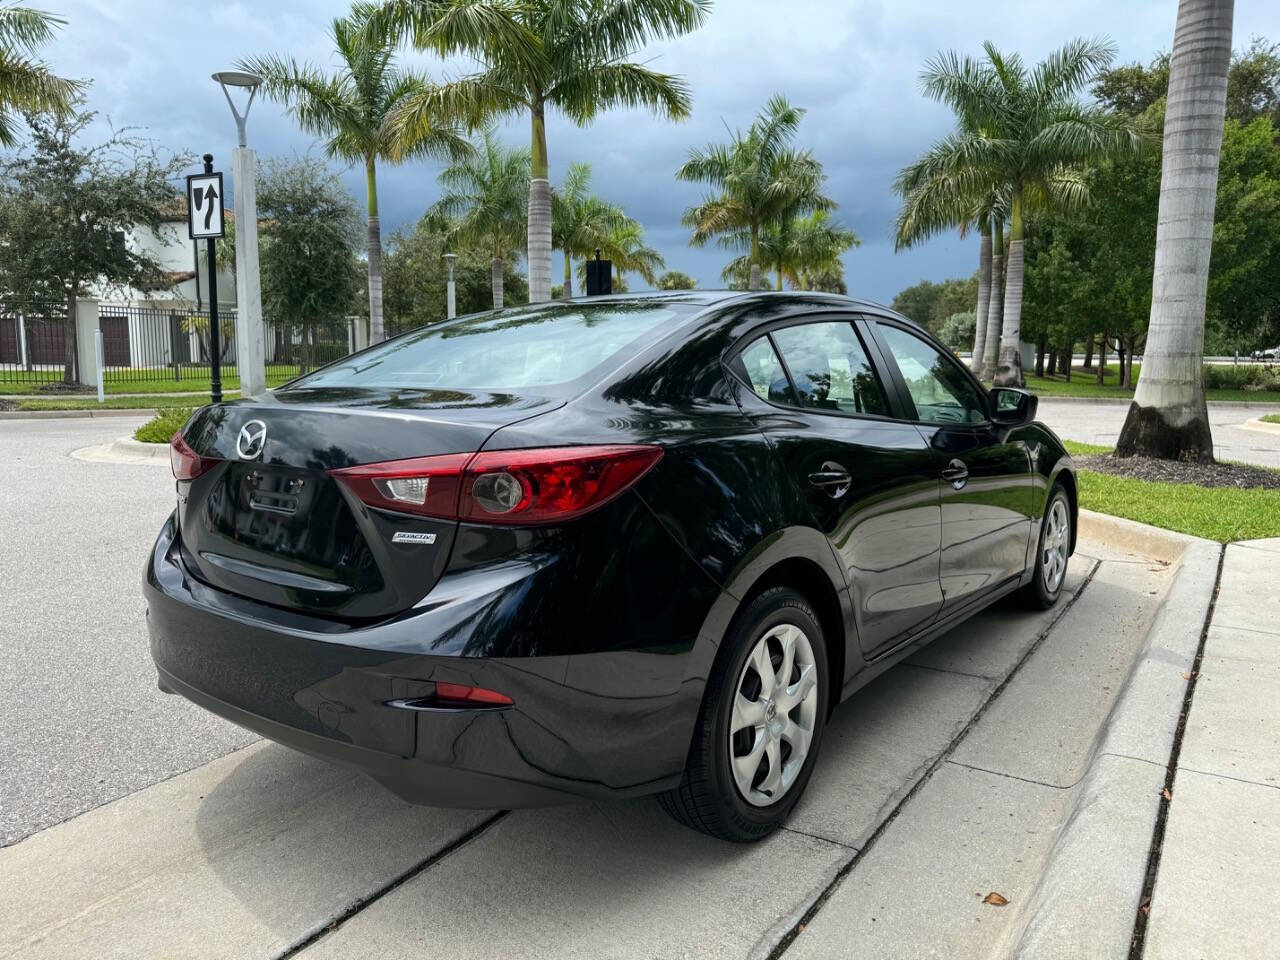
x: 1138, y: 942
x: 814, y: 836
x: 1010, y: 776
x: 958, y: 673
x: 1223, y: 776
x: 363, y: 903
x: 789, y: 937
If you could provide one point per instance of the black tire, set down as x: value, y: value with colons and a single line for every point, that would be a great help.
x: 1038, y: 594
x: 708, y: 798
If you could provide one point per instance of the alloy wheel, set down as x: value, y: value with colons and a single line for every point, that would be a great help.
x: 1054, y: 546
x: 775, y: 706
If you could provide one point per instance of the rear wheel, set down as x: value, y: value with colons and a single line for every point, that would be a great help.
x: 1052, y: 553
x: 760, y: 724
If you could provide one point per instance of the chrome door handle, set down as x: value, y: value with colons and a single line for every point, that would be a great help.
x: 832, y: 479
x: 956, y: 473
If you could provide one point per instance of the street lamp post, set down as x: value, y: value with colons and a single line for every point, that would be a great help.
x: 451, y: 309
x: 250, y: 336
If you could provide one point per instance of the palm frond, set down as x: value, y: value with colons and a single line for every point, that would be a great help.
x: 595, y: 87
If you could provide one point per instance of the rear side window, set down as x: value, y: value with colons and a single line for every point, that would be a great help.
x: 531, y: 347
x: 763, y: 370
x: 830, y: 369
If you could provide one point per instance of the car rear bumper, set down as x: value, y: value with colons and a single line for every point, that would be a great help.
x: 590, y: 725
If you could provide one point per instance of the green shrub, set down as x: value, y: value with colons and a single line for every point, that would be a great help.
x: 162, y: 427
x: 1244, y: 376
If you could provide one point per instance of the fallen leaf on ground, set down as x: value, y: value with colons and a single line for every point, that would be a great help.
x: 1166, y: 794
x: 995, y: 899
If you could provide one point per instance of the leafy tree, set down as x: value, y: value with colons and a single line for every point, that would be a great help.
x: 351, y: 110
x: 1168, y: 417
x: 957, y: 330
x: 675, y: 280
x: 762, y: 182
x: 1026, y: 129
x: 797, y: 250
x: 65, y: 209
x: 485, y: 194
x: 931, y: 304
x: 416, y: 277
x: 570, y: 55
x: 26, y: 84
x: 311, y: 235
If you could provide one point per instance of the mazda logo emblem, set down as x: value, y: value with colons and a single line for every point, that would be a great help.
x: 253, y: 437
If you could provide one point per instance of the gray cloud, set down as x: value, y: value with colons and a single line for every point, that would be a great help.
x: 853, y: 65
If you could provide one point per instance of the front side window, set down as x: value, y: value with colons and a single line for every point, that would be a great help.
x: 830, y: 369
x: 938, y: 387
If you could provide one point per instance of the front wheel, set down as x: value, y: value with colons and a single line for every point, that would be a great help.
x: 1052, y: 552
x: 761, y: 722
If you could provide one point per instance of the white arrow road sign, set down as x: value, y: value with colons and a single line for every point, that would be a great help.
x: 204, y: 205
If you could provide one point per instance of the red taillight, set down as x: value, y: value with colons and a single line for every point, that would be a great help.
x: 461, y: 694
x: 518, y: 487
x: 427, y: 486
x: 548, y: 486
x: 186, y: 463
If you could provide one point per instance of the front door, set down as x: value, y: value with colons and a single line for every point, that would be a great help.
x: 870, y: 481
x: 984, y: 478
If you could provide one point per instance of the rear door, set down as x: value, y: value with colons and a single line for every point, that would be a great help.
x: 984, y: 478
x: 869, y: 479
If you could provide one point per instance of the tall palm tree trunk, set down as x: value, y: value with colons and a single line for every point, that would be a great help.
x: 1168, y: 417
x: 539, y: 212
x: 377, y: 332
x: 984, y: 297
x: 995, y: 303
x: 567, y: 293
x: 753, y: 278
x: 1008, y: 372
x: 496, y: 270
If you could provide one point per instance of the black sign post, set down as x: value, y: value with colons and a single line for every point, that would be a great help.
x: 599, y: 276
x: 205, y: 221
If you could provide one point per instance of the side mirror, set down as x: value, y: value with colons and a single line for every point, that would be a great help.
x: 1011, y: 407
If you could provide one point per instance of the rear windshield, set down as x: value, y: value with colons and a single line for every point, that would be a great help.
x: 543, y: 346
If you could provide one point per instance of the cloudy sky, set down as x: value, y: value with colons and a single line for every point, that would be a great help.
x: 853, y: 64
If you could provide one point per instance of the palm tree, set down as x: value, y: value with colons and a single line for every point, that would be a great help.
x: 570, y: 55
x: 352, y: 109
x: 580, y: 221
x: 1168, y: 417
x: 625, y: 246
x: 486, y: 194
x: 817, y: 245
x: 1027, y: 130
x: 27, y: 85
x: 796, y: 250
x: 761, y: 180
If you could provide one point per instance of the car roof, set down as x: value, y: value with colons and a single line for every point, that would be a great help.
x: 711, y: 298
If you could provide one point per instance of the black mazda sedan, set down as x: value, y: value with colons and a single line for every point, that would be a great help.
x: 600, y: 548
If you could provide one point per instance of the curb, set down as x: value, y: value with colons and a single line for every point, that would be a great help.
x: 125, y: 450
x: 76, y: 414
x: 1258, y: 424
x: 1212, y: 403
x: 1094, y: 876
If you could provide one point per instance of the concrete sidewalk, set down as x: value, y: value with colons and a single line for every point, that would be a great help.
x: 1217, y: 891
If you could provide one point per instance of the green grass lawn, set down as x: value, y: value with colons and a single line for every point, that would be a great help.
x: 1084, y: 383
x: 1271, y: 418
x: 1219, y: 513
x: 118, y: 381
x: 118, y: 403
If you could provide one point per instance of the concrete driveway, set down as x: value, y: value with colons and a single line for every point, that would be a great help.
x: 944, y: 781
x: 1099, y: 421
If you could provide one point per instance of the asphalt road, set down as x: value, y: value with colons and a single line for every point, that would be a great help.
x: 1090, y: 421
x: 81, y: 720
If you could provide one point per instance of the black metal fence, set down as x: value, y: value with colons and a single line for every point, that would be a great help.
x: 157, y: 344
x: 37, y: 343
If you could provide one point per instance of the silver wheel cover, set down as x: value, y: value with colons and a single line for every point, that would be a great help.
x: 1054, y: 545
x: 775, y: 708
